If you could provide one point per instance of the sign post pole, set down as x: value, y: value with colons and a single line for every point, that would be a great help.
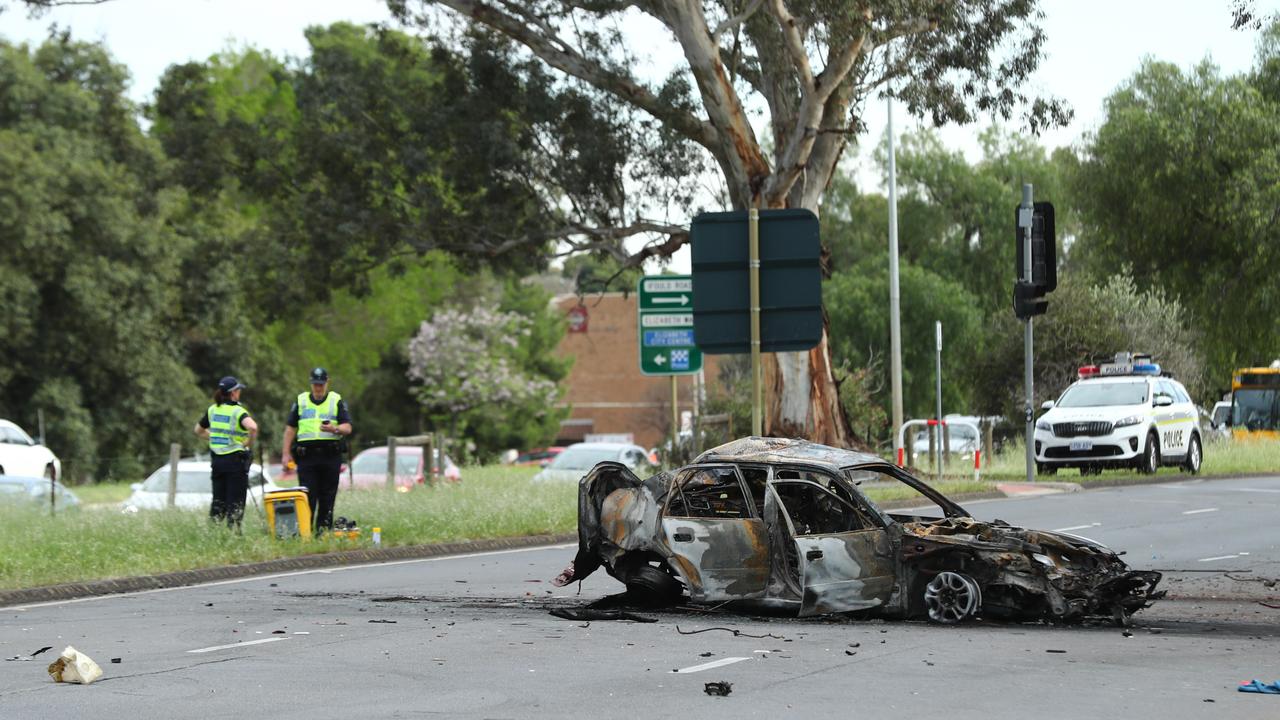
x: 675, y: 415
x: 753, y: 264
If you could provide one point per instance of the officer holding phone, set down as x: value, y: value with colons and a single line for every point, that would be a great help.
x: 314, y: 436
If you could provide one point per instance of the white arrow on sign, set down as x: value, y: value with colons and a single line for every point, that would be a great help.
x: 660, y: 360
x: 682, y: 300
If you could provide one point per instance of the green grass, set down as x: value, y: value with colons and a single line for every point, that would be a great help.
x: 1222, y: 457
x: 102, y: 493
x: 950, y: 488
x: 99, y: 543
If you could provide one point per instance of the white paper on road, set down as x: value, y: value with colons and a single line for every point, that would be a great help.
x: 713, y: 664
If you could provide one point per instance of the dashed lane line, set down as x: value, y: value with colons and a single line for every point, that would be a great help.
x: 1077, y: 527
x: 1197, y: 512
x: 236, y: 645
x: 710, y: 665
x: 1223, y: 557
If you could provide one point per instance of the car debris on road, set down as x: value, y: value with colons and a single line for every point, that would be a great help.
x: 786, y: 523
x: 720, y: 689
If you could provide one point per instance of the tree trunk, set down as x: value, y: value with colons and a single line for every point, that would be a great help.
x: 802, y: 398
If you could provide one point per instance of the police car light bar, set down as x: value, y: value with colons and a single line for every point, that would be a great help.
x: 1146, y: 369
x: 1141, y: 365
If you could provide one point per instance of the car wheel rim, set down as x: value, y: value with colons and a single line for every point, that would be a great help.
x: 1195, y: 455
x: 951, y: 597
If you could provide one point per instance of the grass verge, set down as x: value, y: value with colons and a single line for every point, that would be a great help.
x: 1221, y: 458
x: 101, y: 543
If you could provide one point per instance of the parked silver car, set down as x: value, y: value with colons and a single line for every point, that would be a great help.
x: 579, y: 458
x: 34, y: 491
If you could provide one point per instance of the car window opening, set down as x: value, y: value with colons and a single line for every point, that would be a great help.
x: 817, y: 511
x: 709, y: 493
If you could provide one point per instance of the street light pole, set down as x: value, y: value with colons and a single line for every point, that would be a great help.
x: 895, y: 330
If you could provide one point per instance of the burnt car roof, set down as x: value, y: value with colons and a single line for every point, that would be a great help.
x: 784, y: 450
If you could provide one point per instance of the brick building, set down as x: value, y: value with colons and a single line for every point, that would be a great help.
x: 605, y: 388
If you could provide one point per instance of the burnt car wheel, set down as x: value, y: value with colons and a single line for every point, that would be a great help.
x: 653, y: 586
x: 952, y: 597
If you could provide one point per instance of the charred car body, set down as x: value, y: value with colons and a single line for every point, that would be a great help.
x: 786, y: 523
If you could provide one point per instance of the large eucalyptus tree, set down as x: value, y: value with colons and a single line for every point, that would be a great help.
x: 805, y: 68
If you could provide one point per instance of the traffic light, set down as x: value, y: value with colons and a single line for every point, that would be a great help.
x: 1027, y: 300
x: 1028, y: 296
x: 1044, y: 256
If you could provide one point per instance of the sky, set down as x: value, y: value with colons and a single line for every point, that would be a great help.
x: 1092, y: 47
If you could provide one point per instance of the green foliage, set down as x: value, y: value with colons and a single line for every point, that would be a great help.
x: 598, y: 274
x: 350, y: 335
x: 90, y: 265
x: 956, y: 218
x: 1181, y: 183
x: 1085, y: 324
x: 857, y: 302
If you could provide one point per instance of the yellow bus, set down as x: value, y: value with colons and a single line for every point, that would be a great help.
x: 1255, y: 402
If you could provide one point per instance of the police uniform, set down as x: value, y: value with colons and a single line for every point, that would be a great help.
x: 228, y: 458
x: 318, y: 453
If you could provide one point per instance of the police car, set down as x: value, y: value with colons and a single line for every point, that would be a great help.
x: 1120, y: 414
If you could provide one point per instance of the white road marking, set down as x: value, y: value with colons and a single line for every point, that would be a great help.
x: 1197, y: 512
x: 1261, y: 490
x: 1221, y: 557
x: 236, y: 645
x: 713, y: 664
x: 1077, y: 527
x: 295, y: 573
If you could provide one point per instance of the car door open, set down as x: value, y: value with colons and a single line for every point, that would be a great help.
x: 716, y: 542
x: 844, y: 558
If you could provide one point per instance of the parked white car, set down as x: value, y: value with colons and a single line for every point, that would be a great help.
x: 1121, y: 414
x: 20, y: 455
x: 194, y: 492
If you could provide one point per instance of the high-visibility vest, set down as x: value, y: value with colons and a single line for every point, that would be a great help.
x: 225, y: 434
x: 310, y: 415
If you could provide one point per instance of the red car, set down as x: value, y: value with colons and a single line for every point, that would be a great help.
x: 369, y: 468
x: 540, y: 457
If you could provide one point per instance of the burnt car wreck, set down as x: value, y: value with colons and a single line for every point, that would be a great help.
x: 786, y: 523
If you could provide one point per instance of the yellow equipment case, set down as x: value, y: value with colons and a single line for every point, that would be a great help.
x: 288, y: 513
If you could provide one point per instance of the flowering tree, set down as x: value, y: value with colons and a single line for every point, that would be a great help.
x: 465, y: 360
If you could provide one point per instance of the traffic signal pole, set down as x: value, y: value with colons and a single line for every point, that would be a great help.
x: 1024, y: 225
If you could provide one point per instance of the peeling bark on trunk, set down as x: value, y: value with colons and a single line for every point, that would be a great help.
x: 803, y: 399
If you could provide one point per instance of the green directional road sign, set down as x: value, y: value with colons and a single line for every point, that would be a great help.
x: 666, y: 326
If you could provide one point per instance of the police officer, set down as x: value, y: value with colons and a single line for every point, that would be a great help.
x: 313, y: 434
x: 231, y: 433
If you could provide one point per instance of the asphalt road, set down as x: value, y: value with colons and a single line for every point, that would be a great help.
x: 470, y: 637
